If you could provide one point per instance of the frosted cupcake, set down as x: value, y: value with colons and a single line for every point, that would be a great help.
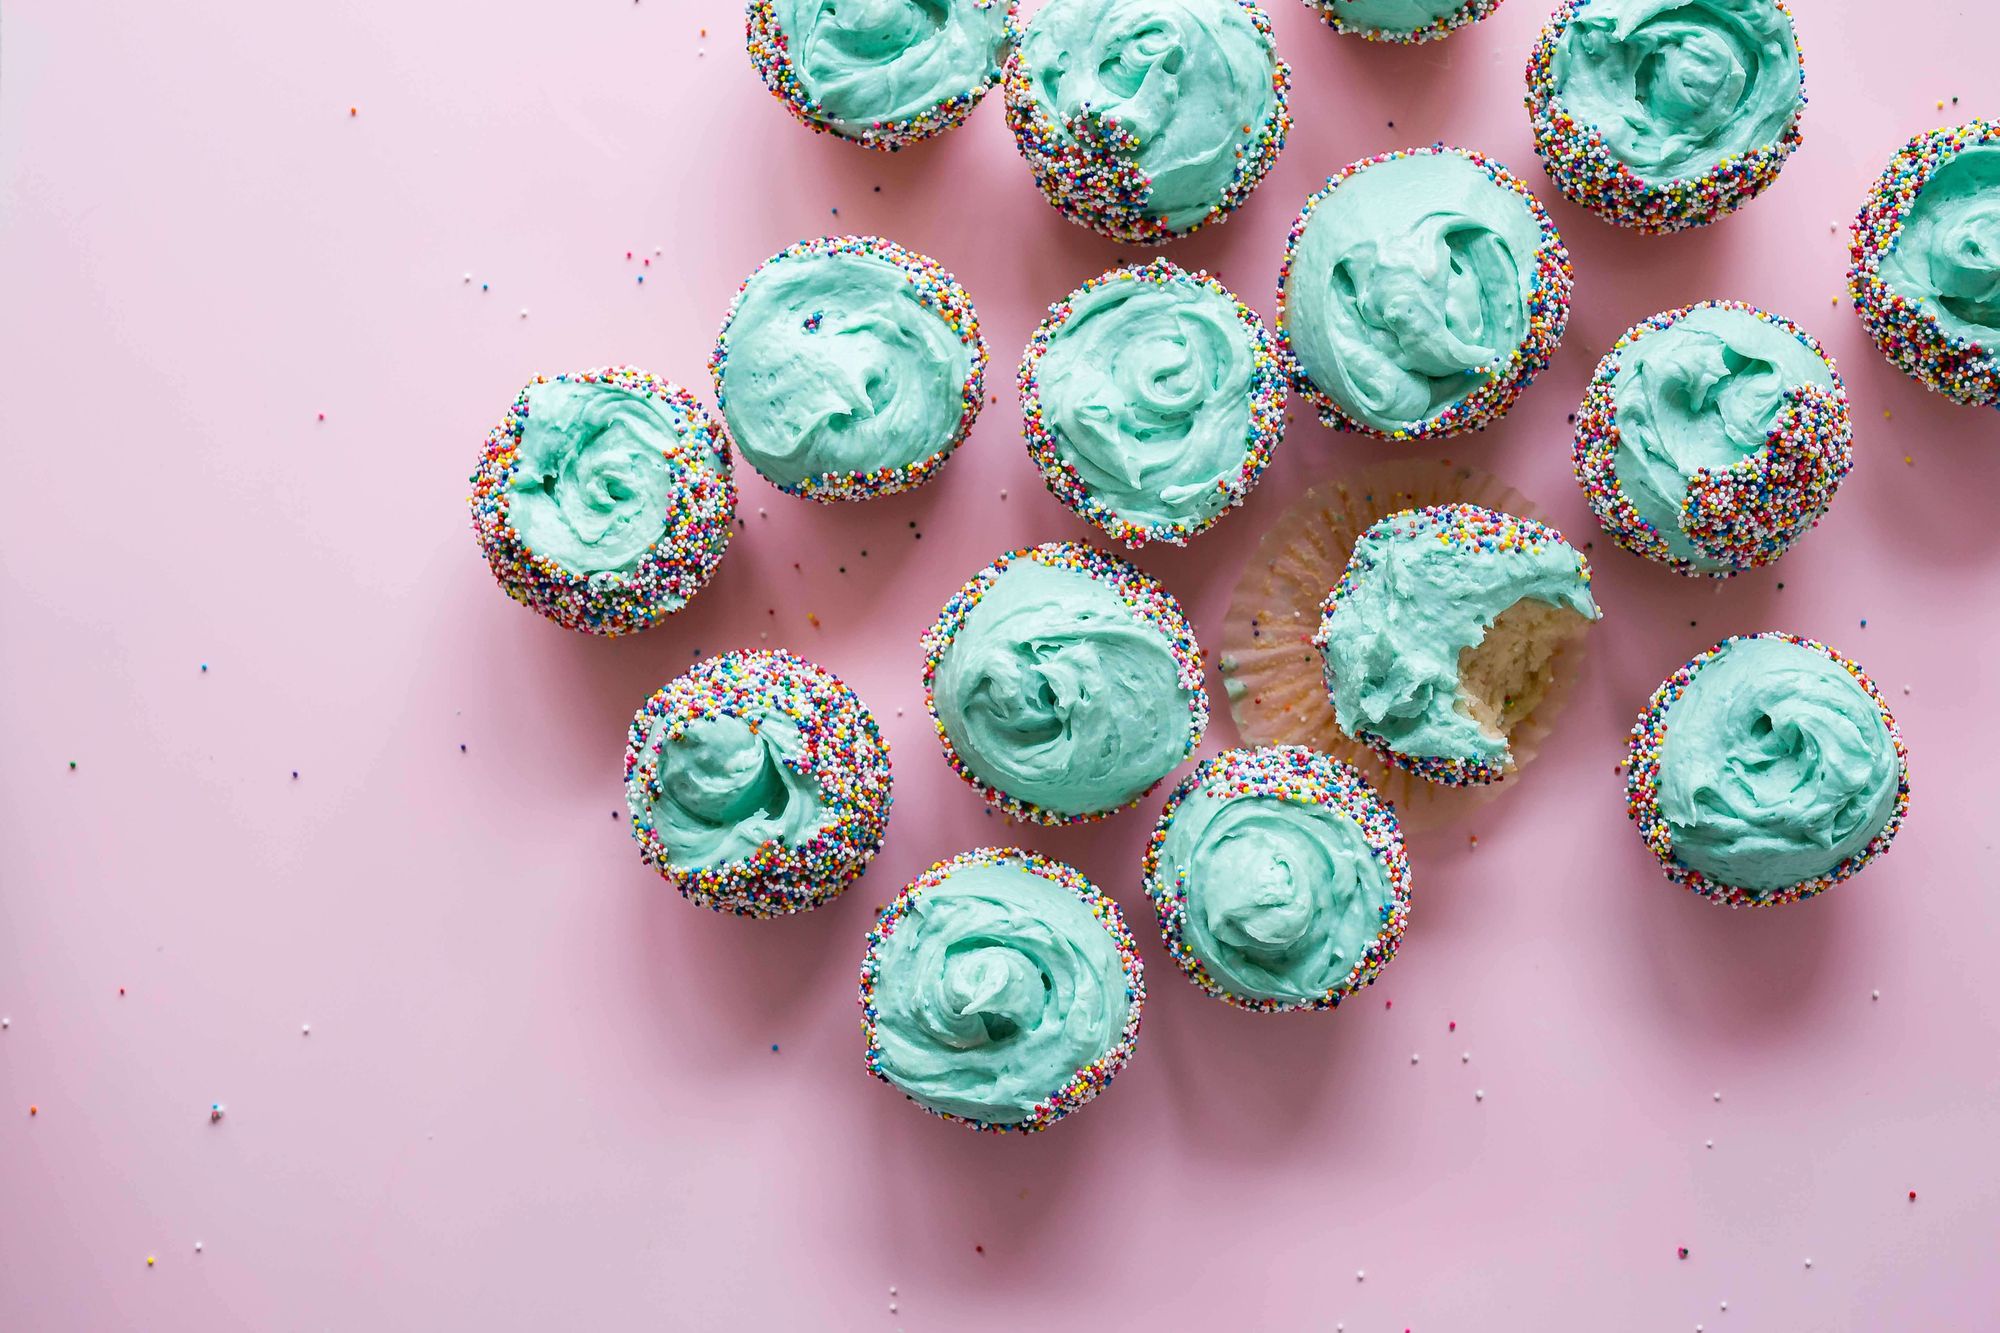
x: 1712, y: 437
x: 849, y: 367
x: 1279, y: 878
x: 1926, y: 272
x: 1000, y: 990
x: 1438, y: 639
x: 1422, y: 290
x: 1401, y: 20
x: 1064, y: 683
x: 603, y: 499
x: 1661, y: 115
x: 1152, y: 398
x: 1147, y: 119
x: 883, y: 74
x: 1767, y: 770
x: 758, y: 784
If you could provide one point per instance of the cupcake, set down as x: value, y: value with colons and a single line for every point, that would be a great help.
x: 1926, y: 272
x: 758, y: 784
x: 1422, y: 290
x: 849, y: 367
x: 1147, y: 119
x: 1767, y: 770
x: 883, y: 74
x: 1152, y: 399
x: 1712, y: 437
x: 603, y: 499
x: 1280, y: 879
x: 1064, y: 683
x: 1401, y: 20
x: 1661, y: 115
x: 1438, y: 639
x: 1000, y: 990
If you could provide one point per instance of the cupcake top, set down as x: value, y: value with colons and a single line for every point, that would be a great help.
x: 1945, y: 258
x: 758, y: 783
x: 1164, y: 113
x: 1401, y: 20
x: 1064, y: 683
x: 1766, y: 770
x: 1422, y: 587
x: 603, y: 499
x: 1279, y: 877
x: 1421, y: 290
x: 849, y: 367
x: 883, y: 72
x: 1677, y: 89
x: 1731, y: 433
x: 1152, y: 398
x: 1001, y: 989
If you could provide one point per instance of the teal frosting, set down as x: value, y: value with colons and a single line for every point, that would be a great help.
x: 727, y: 785
x: 1145, y: 388
x: 1675, y: 87
x: 1191, y: 80
x: 1399, y: 17
x: 1946, y: 257
x: 868, y: 63
x: 1282, y: 896
x: 1776, y: 767
x: 1408, y: 606
x: 835, y: 366
x: 1053, y: 691
x: 1704, y: 392
x: 592, y: 488
x: 1409, y: 287
x: 995, y: 987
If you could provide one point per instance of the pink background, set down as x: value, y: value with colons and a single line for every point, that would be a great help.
x: 539, y: 1089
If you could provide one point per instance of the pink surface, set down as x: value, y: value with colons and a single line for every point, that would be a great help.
x: 541, y: 1091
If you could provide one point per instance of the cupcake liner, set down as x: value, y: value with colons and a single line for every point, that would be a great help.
x: 1273, y: 675
x: 1642, y: 775
x: 1745, y: 515
x: 1910, y: 337
x: 1587, y: 174
x: 937, y: 291
x: 1086, y: 1083
x: 770, y: 54
x: 1444, y: 25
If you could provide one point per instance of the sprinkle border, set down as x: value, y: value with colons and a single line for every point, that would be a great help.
x: 1472, y: 11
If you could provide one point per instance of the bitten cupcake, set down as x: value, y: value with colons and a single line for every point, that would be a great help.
x: 1152, y: 398
x: 1279, y: 878
x: 1661, y: 115
x: 849, y: 367
x: 1438, y: 639
x: 1147, y: 119
x: 1926, y: 262
x: 603, y: 499
x: 1064, y: 683
x: 758, y: 784
x: 1000, y: 990
x: 1767, y: 770
x: 1422, y: 290
x: 883, y: 74
x: 1401, y: 20
x: 1712, y: 437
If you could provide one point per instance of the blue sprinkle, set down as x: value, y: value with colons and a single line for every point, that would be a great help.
x: 642, y: 277
x: 774, y: 1048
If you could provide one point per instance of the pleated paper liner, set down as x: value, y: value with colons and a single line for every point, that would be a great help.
x: 1271, y: 671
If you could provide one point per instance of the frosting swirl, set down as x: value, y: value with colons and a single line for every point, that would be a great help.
x: 1055, y: 692
x: 1946, y: 258
x: 1178, y: 91
x: 1776, y: 766
x: 870, y: 63
x: 725, y: 785
x: 992, y: 982
x: 592, y: 489
x: 837, y: 361
x: 1151, y: 389
x: 1678, y: 87
x: 1409, y: 287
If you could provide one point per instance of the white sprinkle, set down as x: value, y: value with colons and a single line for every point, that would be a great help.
x: 1874, y: 995
x: 1709, y: 1144
x: 892, y: 1291
x: 1466, y: 1058
x: 524, y: 312
x: 1003, y: 492
x: 1413, y: 1057
x: 1808, y: 1263
x: 197, y: 1247
x: 305, y: 1029
x: 1360, y: 1275
x: 1725, y: 1305
x: 1718, y: 1096
x: 468, y: 278
x: 6, y: 1022
x: 761, y: 513
x: 1479, y: 1095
